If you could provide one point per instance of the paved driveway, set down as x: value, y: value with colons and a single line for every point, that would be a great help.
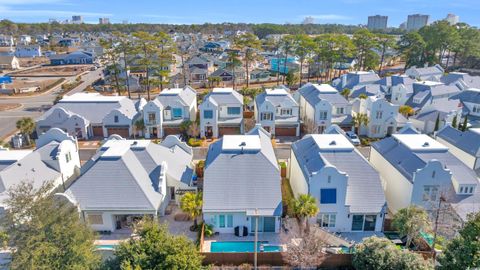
x: 35, y: 106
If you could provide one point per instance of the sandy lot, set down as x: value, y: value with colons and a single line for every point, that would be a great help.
x: 60, y: 71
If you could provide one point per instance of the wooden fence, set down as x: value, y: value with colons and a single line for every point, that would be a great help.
x: 270, y: 258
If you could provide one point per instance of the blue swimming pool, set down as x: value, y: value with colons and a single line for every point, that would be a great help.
x: 105, y: 247
x: 243, y: 246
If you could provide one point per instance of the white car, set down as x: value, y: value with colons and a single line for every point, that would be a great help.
x: 353, y: 137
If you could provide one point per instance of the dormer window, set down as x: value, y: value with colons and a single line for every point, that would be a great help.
x: 115, y: 119
x: 466, y: 189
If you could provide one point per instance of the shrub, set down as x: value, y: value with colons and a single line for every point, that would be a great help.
x: 194, y: 142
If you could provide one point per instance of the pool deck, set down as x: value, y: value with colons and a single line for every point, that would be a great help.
x: 271, y: 238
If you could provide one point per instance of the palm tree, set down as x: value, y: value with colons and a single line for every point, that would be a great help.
x: 304, y: 207
x: 233, y: 61
x: 191, y: 203
x: 287, y: 45
x: 345, y: 93
x: 139, y: 125
x: 26, y: 125
x: 361, y: 119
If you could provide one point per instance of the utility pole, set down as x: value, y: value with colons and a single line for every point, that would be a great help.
x: 256, y: 241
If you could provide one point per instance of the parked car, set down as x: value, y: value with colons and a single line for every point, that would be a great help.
x: 353, y: 137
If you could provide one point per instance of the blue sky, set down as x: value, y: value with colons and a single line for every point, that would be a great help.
x: 254, y: 11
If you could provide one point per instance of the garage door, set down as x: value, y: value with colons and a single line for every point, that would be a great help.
x: 119, y: 131
x: 171, y: 131
x: 228, y: 131
x: 97, y: 131
x: 285, y: 131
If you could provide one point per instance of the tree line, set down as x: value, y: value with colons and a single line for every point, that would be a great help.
x: 442, y: 43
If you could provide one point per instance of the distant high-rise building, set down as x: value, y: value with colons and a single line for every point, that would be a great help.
x: 403, y: 26
x: 124, y: 22
x: 77, y: 19
x: 308, y: 20
x: 452, y: 19
x: 377, y: 22
x: 103, y: 21
x: 51, y: 20
x: 417, y: 21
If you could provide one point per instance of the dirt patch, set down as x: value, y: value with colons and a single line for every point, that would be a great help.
x: 181, y: 217
x: 9, y: 106
x: 33, y: 61
x: 59, y: 71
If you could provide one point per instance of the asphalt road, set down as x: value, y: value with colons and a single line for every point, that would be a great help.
x: 32, y: 106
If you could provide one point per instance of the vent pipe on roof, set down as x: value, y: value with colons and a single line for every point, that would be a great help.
x: 333, y: 143
x: 242, y: 145
x: 426, y: 144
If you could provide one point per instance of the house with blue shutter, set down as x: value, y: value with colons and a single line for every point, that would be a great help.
x: 221, y: 113
x: 347, y: 188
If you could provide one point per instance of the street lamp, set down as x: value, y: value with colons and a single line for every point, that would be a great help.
x: 256, y: 240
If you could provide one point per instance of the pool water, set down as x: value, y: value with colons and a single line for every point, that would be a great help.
x: 110, y: 247
x: 243, y: 246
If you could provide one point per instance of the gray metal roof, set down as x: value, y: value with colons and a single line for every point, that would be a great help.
x: 364, y: 188
x: 313, y: 95
x: 95, y: 110
x: 276, y: 100
x: 236, y: 181
x: 130, y: 178
x: 468, y: 141
x: 186, y: 96
x: 472, y: 96
x: 220, y: 98
x: 408, y: 162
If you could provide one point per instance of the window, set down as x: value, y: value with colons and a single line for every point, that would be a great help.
x: 95, y: 219
x: 177, y: 113
x: 340, y: 110
x: 327, y: 220
x: 233, y: 110
x: 115, y: 119
x: 68, y: 157
x: 357, y: 222
x: 433, y: 174
x: 328, y: 195
x: 379, y: 115
x: 471, y: 190
x: 370, y: 221
x: 229, y: 221
x: 375, y: 129
x: 323, y: 115
x: 430, y: 193
x: 225, y: 221
x: 208, y: 114
x: 221, y: 221
x: 151, y: 118
x: 286, y: 112
x: 266, y: 116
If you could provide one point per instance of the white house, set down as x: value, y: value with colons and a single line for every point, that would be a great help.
x: 382, y: 115
x: 24, y: 40
x: 221, y: 113
x: 416, y: 169
x: 128, y: 179
x: 321, y: 106
x: 242, y: 183
x: 164, y: 115
x: 28, y: 51
x: 348, y: 190
x: 6, y: 41
x: 9, y: 62
x: 465, y: 145
x: 278, y: 112
x: 433, y: 73
x: 87, y: 115
x: 401, y: 89
x: 54, y: 160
